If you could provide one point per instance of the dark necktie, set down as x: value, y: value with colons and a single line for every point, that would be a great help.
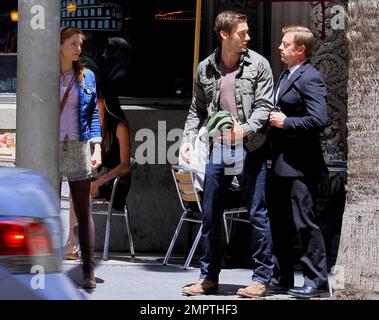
x: 283, y: 80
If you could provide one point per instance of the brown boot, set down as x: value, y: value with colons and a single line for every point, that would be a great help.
x: 255, y: 290
x: 200, y: 288
x: 89, y: 281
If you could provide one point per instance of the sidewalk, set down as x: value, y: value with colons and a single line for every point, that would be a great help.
x: 147, y: 279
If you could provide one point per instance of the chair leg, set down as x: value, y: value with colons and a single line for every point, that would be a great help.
x: 194, y: 246
x: 226, y: 229
x: 175, y: 236
x: 129, y: 231
x: 107, y: 234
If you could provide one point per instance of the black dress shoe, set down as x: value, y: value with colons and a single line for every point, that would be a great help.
x: 307, y: 292
x: 278, y: 289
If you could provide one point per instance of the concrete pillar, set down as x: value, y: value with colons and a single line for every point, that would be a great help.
x: 38, y: 68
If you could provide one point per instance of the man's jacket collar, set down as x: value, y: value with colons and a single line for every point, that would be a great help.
x: 214, y: 59
x: 296, y: 75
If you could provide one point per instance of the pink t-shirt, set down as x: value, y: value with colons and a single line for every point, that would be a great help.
x: 228, y: 88
x: 69, y: 121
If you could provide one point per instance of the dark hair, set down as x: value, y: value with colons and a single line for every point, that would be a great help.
x: 303, y: 36
x: 66, y: 33
x: 110, y: 115
x: 118, y: 49
x: 226, y: 20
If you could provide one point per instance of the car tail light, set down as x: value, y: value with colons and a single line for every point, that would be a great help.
x: 24, y: 243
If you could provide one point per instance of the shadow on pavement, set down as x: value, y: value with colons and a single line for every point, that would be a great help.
x: 167, y: 268
x: 75, y: 275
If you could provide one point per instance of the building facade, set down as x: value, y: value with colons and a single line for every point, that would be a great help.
x: 92, y: 15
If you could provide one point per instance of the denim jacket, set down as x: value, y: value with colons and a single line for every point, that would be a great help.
x: 253, y: 92
x: 89, y: 123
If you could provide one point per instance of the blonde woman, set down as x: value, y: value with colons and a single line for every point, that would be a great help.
x: 80, y: 141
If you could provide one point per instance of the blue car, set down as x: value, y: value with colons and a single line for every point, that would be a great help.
x: 31, y: 249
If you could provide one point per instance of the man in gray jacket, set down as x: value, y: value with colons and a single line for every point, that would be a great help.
x: 237, y: 80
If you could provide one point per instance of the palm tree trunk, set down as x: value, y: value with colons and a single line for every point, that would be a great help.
x: 357, y: 269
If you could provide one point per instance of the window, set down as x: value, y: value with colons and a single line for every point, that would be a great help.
x: 171, y: 38
x: 134, y: 21
x: 92, y: 1
x: 163, y: 28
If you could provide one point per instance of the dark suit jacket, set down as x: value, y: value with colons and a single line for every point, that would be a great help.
x: 296, y: 149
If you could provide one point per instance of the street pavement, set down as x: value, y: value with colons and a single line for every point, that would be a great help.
x: 146, y: 278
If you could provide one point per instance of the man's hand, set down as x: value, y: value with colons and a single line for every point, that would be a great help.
x: 185, y: 152
x: 236, y: 134
x: 96, y: 156
x: 276, y: 119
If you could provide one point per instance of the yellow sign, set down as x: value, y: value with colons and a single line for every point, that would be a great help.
x: 71, y: 7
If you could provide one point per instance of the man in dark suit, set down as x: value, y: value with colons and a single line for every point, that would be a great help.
x: 297, y: 165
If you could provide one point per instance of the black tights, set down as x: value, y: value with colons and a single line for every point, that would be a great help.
x: 80, y: 194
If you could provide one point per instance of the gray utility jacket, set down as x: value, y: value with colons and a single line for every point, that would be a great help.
x: 254, y: 96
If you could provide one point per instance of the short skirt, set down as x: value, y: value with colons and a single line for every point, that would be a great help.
x: 75, y: 160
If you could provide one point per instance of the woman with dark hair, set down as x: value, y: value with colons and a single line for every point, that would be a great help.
x: 116, y: 147
x: 80, y: 132
x: 116, y: 150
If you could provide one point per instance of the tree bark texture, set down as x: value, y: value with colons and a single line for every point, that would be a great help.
x: 357, y: 268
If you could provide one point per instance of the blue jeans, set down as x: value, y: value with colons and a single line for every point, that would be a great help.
x: 252, y: 180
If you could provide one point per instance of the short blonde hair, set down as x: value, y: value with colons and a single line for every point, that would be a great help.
x: 303, y: 36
